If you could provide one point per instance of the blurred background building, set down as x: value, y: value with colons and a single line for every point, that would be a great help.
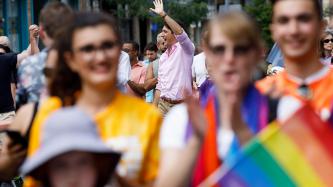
x: 136, y: 23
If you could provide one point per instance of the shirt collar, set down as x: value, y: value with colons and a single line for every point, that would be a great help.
x: 173, y: 48
x: 312, y: 78
x: 139, y: 64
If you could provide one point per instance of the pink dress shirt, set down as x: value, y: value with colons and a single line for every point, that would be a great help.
x: 175, y: 69
x: 138, y: 75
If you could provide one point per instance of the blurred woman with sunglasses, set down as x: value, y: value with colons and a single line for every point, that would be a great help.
x: 201, y: 138
x: 326, y: 46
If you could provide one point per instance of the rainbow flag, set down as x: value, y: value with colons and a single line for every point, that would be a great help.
x: 297, y: 153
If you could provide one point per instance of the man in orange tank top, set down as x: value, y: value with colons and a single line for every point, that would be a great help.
x: 297, y: 27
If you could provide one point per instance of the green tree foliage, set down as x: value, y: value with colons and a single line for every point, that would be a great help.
x: 261, y: 10
x: 188, y: 12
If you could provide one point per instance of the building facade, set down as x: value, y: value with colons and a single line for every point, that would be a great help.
x: 17, y: 15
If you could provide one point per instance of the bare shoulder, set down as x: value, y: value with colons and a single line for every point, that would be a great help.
x: 23, y: 118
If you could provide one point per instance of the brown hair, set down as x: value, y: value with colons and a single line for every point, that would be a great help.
x: 52, y: 17
x: 237, y: 26
x: 66, y: 83
x: 317, y: 6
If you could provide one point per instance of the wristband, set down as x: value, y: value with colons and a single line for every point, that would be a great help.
x: 165, y: 14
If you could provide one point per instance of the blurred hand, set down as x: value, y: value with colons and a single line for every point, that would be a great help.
x: 196, y: 116
x: 34, y: 31
x: 16, y: 153
x: 158, y: 7
x: 11, y: 160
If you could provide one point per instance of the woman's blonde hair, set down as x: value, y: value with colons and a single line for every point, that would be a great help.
x: 237, y: 26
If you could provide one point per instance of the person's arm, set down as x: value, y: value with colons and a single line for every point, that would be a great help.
x: 150, y: 81
x: 178, y: 159
x: 156, y: 97
x: 33, y: 46
x: 181, y: 36
x: 13, y: 91
x: 137, y: 88
x: 150, y: 84
x: 12, y: 155
x: 159, y: 9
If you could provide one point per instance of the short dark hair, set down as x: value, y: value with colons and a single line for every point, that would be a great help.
x: 134, y: 44
x: 182, y: 25
x: 66, y: 83
x: 6, y: 48
x: 52, y: 17
x: 151, y: 47
x: 316, y: 3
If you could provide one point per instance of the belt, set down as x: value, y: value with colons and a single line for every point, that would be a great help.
x: 171, y: 101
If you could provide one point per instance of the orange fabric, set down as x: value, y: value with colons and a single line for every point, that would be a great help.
x: 208, y: 160
x: 47, y: 107
x: 321, y: 89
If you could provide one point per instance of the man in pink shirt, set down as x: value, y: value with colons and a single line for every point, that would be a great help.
x: 135, y: 86
x: 174, y: 73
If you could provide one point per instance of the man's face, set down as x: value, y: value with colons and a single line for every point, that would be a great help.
x: 168, y: 36
x: 296, y: 28
x: 161, y: 43
x: 151, y: 55
x: 132, y: 53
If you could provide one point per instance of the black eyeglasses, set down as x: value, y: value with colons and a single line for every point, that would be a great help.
x: 328, y: 40
x: 89, y: 51
x: 105, y: 46
x: 237, y: 49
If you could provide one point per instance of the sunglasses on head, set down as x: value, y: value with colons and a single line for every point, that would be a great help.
x: 237, y: 49
x: 328, y: 40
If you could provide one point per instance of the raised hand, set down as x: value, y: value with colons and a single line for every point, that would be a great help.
x: 34, y: 31
x: 158, y: 7
x: 197, y: 116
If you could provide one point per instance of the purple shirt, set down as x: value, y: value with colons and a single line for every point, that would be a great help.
x: 175, y: 69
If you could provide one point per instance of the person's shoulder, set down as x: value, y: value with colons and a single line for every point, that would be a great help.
x: 265, y: 84
x: 330, y: 70
x: 136, y: 105
x: 200, y: 56
x: 124, y: 57
x: 50, y: 104
x: 36, y: 58
x: 8, y: 56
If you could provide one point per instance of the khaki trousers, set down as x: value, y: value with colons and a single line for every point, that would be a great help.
x: 164, y: 106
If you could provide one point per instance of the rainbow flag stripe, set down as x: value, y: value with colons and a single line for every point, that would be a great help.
x: 297, y: 153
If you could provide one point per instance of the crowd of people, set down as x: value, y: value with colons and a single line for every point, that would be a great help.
x: 86, y: 111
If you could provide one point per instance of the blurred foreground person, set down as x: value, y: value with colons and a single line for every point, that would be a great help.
x: 71, y: 153
x: 85, y: 76
x: 304, y: 79
x: 13, y: 153
x: 31, y: 80
x: 196, y: 139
